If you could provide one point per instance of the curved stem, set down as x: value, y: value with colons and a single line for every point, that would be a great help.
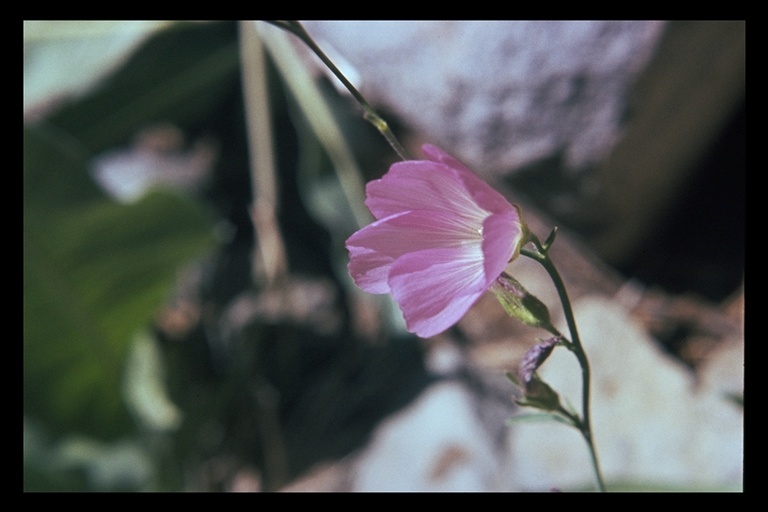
x: 369, y: 114
x: 541, y: 255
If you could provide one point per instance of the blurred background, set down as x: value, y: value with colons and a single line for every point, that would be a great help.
x: 189, y: 324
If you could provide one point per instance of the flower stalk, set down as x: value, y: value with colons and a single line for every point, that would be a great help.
x: 583, y: 424
x: 369, y: 114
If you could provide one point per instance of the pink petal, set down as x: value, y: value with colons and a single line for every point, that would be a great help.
x: 436, y: 287
x: 373, y: 249
x: 482, y: 193
x: 502, y: 237
x: 436, y: 154
x: 442, y: 237
x: 369, y: 269
x: 420, y: 185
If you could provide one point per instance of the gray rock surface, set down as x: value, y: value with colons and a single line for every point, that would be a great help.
x: 499, y: 94
x: 658, y: 427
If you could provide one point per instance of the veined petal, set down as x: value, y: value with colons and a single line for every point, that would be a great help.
x: 503, y: 235
x: 436, y: 287
x: 436, y: 154
x: 421, y: 184
x: 482, y: 193
x: 373, y: 249
x: 369, y: 269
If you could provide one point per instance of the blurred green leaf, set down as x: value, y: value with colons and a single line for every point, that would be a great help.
x: 535, y: 417
x: 145, y: 388
x: 93, y: 276
x: 96, y: 271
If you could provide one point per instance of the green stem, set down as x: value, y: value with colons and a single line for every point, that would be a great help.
x: 369, y: 114
x: 541, y: 255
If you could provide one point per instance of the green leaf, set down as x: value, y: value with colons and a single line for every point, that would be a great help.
x: 144, y: 386
x: 534, y: 417
x: 95, y: 272
x: 514, y: 379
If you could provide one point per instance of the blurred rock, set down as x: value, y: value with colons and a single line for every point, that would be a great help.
x: 658, y: 425
x: 499, y: 94
x: 654, y: 427
x: 437, y: 444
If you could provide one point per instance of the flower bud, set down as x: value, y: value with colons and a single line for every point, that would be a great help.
x: 534, y: 358
x: 520, y: 304
x: 535, y: 392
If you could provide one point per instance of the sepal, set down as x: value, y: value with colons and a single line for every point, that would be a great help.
x: 520, y: 304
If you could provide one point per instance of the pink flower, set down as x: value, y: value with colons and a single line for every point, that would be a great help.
x: 441, y: 238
